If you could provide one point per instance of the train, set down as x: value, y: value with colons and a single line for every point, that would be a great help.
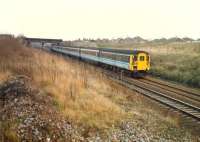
x: 136, y: 62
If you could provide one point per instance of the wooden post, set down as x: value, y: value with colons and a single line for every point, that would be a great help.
x: 121, y: 74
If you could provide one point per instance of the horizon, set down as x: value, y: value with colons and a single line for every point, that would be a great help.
x: 93, y: 19
x: 2, y: 34
x: 22, y: 35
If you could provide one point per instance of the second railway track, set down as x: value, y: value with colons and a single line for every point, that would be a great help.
x: 173, y: 91
x: 160, y: 96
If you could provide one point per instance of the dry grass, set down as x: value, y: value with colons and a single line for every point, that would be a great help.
x: 8, y: 133
x: 177, y: 62
x: 67, y: 82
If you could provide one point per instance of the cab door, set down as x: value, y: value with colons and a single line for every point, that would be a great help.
x: 142, y: 62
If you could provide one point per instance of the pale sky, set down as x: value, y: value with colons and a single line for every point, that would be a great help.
x: 72, y: 19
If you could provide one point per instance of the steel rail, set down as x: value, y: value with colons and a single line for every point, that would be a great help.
x: 185, y: 108
x: 174, y: 87
x: 159, y: 85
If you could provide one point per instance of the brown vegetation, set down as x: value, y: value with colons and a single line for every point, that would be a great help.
x: 67, y: 82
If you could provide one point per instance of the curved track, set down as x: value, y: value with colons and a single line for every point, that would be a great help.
x: 174, y: 86
x: 159, y: 95
x: 173, y: 90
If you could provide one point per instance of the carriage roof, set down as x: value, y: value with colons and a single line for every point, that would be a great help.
x: 121, y: 51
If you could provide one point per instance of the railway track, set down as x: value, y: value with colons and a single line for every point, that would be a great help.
x: 176, y: 88
x: 174, y: 91
x: 159, y: 95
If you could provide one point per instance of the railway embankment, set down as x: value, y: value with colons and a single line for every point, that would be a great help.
x: 45, y: 97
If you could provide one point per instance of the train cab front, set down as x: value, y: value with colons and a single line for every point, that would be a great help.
x: 139, y: 64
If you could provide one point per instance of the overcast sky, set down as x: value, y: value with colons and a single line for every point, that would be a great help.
x: 72, y: 19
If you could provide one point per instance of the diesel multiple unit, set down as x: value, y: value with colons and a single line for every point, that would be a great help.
x: 134, y: 61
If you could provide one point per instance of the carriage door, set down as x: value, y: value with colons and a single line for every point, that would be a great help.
x: 131, y: 62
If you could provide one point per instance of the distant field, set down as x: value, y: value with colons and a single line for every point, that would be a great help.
x: 178, y: 61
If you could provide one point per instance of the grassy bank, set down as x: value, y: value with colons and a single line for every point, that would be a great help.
x: 67, y: 82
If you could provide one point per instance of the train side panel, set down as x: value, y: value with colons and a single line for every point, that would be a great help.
x: 94, y: 57
x: 135, y: 62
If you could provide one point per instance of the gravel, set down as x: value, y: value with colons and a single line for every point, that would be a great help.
x: 37, y: 118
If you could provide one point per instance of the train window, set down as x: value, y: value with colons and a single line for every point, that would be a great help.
x: 120, y: 57
x: 141, y: 58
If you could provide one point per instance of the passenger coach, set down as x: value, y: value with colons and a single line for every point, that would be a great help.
x: 134, y: 61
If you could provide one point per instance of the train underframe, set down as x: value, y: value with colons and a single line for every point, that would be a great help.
x: 124, y: 72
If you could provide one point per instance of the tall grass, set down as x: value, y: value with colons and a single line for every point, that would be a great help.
x: 177, y: 62
x: 67, y: 82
